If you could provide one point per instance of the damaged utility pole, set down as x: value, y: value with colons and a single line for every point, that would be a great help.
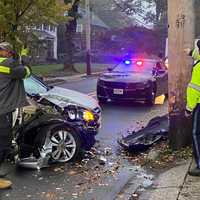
x: 181, y: 35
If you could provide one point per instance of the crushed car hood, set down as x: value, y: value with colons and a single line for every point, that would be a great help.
x: 126, y: 77
x: 62, y: 97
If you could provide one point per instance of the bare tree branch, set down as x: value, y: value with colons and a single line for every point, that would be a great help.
x: 25, y: 9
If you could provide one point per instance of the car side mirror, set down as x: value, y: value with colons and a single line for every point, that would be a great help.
x: 158, y: 69
x: 161, y: 71
x: 158, y: 72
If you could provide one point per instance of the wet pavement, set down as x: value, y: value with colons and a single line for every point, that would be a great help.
x: 102, y: 177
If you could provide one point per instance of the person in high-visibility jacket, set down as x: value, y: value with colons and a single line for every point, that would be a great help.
x: 12, y: 96
x: 193, y: 106
x: 24, y: 55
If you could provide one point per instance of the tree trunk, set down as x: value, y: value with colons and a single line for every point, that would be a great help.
x: 88, y: 37
x: 70, y: 32
x: 68, y: 61
x: 181, y: 35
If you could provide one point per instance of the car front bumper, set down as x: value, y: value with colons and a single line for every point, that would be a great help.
x: 133, y: 94
x: 88, y: 131
x: 87, y: 136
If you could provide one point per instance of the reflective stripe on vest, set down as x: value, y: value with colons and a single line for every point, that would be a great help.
x: 2, y: 59
x: 196, y: 87
x: 4, y: 69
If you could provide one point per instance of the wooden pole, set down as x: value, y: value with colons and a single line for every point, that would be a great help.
x: 181, y: 36
x: 88, y: 37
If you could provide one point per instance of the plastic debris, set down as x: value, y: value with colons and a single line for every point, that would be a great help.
x: 156, y: 130
x: 102, y: 160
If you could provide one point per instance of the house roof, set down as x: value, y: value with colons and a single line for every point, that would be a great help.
x: 111, y: 15
x: 95, y: 20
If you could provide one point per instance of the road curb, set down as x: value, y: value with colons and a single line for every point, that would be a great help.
x: 61, y: 80
x: 115, y: 185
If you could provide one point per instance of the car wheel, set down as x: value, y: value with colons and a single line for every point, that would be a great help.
x: 62, y: 144
x: 151, y: 97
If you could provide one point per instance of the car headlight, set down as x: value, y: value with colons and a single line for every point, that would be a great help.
x: 77, y: 114
x: 88, y: 116
x: 72, y: 114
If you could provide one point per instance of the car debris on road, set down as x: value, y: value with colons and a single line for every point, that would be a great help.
x: 156, y: 130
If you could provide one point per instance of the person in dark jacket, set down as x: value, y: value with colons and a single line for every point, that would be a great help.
x: 12, y: 96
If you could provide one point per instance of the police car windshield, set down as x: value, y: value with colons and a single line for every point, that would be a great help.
x: 136, y: 66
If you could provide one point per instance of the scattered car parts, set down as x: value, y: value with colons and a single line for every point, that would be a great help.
x: 156, y: 130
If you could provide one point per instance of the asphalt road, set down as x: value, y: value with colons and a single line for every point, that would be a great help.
x: 87, y: 181
x: 117, y: 118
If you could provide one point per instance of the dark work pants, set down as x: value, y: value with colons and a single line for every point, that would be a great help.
x: 5, y: 135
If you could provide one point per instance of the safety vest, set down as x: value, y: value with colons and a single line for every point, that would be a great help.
x: 193, y: 90
x: 196, y: 68
x: 7, y: 70
x: 4, y: 69
x: 195, y: 54
x: 24, y: 52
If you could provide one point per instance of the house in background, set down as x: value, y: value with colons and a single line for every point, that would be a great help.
x: 98, y: 28
x: 103, y: 20
x: 44, y: 46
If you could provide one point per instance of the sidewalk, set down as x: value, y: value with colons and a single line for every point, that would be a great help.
x: 63, y: 79
x: 174, y: 184
x: 191, y: 188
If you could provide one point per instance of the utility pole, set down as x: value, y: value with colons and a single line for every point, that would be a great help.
x: 88, y: 37
x: 181, y: 35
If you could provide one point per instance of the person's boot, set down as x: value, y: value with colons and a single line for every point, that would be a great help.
x: 194, y: 172
x: 5, y: 184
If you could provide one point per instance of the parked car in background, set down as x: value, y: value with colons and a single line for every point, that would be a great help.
x: 133, y: 80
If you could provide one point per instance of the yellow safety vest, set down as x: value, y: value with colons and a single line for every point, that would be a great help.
x: 4, y: 69
x: 193, y: 90
x: 7, y: 70
x: 24, y: 52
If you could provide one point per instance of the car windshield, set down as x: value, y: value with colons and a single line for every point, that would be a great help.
x: 34, y: 86
x: 136, y: 66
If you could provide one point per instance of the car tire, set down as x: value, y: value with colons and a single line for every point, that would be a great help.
x: 62, y: 143
x: 150, y: 101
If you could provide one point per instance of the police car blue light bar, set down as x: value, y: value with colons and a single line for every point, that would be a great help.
x: 127, y: 62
